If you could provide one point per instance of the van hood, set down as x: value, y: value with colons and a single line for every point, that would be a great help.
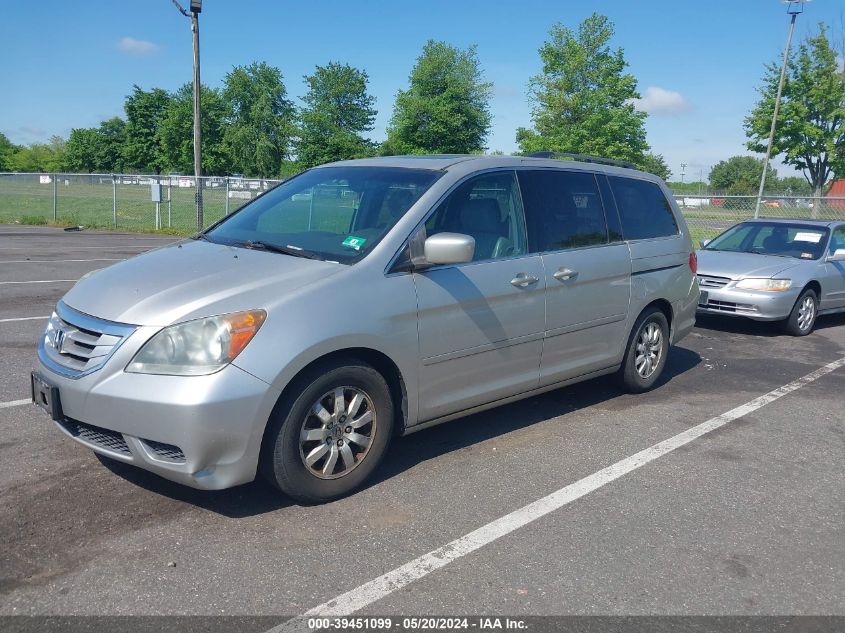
x: 738, y: 265
x: 192, y: 279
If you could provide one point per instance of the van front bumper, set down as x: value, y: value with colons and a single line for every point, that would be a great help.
x: 202, y: 431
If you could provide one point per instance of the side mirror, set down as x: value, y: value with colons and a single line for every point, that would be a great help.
x: 704, y: 243
x: 449, y: 248
x: 838, y: 255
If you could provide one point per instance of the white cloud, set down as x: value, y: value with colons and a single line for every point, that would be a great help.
x: 135, y: 47
x: 661, y: 101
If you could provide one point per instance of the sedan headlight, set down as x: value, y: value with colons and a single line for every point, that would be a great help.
x: 766, y: 285
x: 197, y: 348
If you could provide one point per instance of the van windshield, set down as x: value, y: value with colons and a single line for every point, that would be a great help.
x: 331, y: 213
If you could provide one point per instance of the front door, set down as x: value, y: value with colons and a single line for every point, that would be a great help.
x: 588, y: 275
x: 480, y: 323
x: 833, y: 287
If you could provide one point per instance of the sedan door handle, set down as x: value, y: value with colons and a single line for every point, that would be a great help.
x: 565, y: 274
x: 523, y: 281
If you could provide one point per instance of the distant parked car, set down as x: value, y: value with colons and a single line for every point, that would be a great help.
x: 775, y: 270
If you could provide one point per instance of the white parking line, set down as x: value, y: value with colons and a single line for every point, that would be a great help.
x: 40, y: 281
x: 23, y: 319
x: 14, y: 403
x: 400, y: 577
x: 59, y: 261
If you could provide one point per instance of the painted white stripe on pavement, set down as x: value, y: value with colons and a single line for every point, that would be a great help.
x: 59, y: 261
x: 24, y: 319
x: 40, y: 281
x: 14, y: 403
x: 400, y: 577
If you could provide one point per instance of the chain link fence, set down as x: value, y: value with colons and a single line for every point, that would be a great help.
x: 707, y: 216
x: 124, y: 201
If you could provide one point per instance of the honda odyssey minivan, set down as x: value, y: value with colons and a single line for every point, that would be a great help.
x: 364, y: 299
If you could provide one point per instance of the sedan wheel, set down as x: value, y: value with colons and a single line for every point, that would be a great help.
x: 803, y: 316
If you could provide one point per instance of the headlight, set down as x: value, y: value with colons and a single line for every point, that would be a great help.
x: 197, y: 348
x: 767, y: 285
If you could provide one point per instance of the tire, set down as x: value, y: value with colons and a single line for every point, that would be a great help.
x: 651, y: 329
x: 313, y: 455
x: 799, y: 322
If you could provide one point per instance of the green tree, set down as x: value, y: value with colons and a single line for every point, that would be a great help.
x: 144, y: 112
x: 260, y: 119
x: 7, y: 150
x: 445, y: 109
x: 111, y: 139
x: 176, y: 132
x: 740, y: 176
x: 810, y: 131
x: 793, y: 186
x: 655, y: 164
x: 583, y: 99
x: 81, y: 150
x: 337, y: 112
x: 40, y: 157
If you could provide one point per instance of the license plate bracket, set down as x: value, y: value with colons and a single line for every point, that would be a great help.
x: 46, y: 395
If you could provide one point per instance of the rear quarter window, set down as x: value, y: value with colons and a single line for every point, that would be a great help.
x: 644, y: 210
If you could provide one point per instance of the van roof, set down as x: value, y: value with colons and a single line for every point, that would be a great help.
x: 472, y: 162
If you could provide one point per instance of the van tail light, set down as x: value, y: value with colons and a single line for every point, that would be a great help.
x: 693, y: 262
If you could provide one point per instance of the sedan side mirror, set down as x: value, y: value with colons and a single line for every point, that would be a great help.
x: 838, y: 255
x: 704, y: 243
x: 449, y: 248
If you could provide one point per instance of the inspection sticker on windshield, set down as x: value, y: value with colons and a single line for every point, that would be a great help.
x: 354, y: 242
x: 815, y: 238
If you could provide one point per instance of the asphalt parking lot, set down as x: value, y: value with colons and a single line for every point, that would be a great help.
x: 746, y: 519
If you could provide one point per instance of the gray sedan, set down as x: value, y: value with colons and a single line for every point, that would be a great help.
x: 775, y: 270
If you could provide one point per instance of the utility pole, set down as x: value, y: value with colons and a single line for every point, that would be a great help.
x: 794, y: 7
x: 683, y: 171
x: 195, y: 9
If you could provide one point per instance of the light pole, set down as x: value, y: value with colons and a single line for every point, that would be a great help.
x: 793, y: 8
x: 195, y: 9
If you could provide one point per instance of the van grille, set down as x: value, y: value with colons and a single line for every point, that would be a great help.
x: 75, y: 344
x: 104, y: 438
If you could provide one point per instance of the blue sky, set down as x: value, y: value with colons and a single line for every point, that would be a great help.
x: 70, y: 64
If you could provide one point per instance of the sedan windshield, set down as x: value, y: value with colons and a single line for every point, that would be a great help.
x: 332, y: 213
x: 801, y: 241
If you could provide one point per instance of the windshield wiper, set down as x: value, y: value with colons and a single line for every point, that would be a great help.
x: 275, y: 248
x: 202, y: 236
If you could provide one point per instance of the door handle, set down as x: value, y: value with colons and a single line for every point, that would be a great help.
x: 523, y: 281
x: 565, y: 274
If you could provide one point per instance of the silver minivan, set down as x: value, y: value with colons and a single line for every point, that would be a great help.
x: 363, y: 299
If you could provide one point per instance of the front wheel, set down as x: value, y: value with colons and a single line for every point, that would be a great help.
x: 803, y: 316
x: 646, y: 354
x: 331, y: 434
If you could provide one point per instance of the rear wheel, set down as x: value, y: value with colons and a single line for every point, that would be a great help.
x: 331, y: 433
x: 646, y: 353
x: 803, y: 316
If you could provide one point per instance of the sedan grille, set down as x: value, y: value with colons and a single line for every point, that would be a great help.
x: 166, y: 451
x: 75, y: 344
x: 729, y: 306
x: 709, y: 281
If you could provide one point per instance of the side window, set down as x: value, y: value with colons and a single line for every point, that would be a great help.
x: 563, y: 209
x: 837, y: 240
x: 645, y: 211
x: 488, y: 208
